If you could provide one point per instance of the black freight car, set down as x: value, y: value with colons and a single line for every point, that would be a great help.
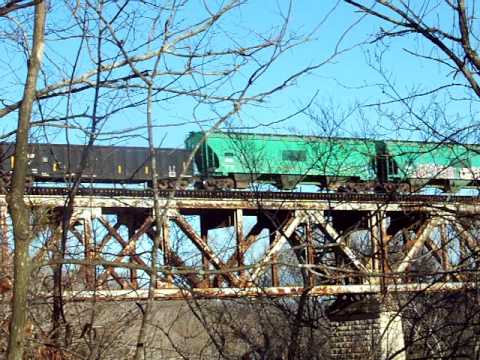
x: 104, y: 164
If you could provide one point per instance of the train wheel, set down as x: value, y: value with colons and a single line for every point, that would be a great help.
x: 404, y: 188
x: 210, y: 185
x: 348, y: 188
x: 390, y: 187
x: 28, y: 181
x: 198, y: 185
x: 379, y: 188
x: 353, y: 187
x: 228, y: 184
x: 183, y: 184
x: 163, y: 184
x: 6, y: 179
x: 5, y: 182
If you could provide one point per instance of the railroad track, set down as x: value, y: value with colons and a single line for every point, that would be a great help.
x: 263, y: 195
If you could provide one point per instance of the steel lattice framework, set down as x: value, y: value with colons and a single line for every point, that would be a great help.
x: 231, y: 244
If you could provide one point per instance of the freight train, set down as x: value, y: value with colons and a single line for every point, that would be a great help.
x: 103, y: 164
x: 235, y: 160
x: 229, y: 160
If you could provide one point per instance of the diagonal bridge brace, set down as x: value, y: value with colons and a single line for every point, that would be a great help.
x: 127, y: 247
x: 204, y: 248
x: 330, y: 231
x: 283, y: 233
x: 423, y: 235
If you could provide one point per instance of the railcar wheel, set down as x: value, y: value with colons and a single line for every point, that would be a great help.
x: 348, y: 188
x: 227, y: 184
x: 353, y: 187
x: 390, y: 187
x: 183, y: 184
x: 210, y: 185
x: 5, y: 182
x: 163, y: 184
x: 404, y: 188
x: 179, y: 184
x: 28, y: 181
x: 198, y: 185
x: 379, y: 188
x: 6, y: 179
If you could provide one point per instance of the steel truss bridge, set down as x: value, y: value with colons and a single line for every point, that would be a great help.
x: 231, y: 244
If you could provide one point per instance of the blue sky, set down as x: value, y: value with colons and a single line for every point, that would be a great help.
x: 343, y: 86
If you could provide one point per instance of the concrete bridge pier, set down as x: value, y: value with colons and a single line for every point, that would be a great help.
x: 366, y: 329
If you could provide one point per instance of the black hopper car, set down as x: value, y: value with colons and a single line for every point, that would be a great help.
x: 104, y: 164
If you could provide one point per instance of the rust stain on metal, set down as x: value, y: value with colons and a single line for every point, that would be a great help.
x: 208, y: 279
x: 230, y: 293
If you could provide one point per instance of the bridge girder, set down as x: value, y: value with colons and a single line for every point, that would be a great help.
x: 228, y: 247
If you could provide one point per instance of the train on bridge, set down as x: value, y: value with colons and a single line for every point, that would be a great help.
x: 231, y: 160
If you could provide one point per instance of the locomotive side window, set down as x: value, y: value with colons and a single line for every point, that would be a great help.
x: 294, y: 155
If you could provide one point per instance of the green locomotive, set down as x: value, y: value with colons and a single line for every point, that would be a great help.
x: 227, y: 160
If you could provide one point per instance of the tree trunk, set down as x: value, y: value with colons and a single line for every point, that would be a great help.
x: 17, y: 207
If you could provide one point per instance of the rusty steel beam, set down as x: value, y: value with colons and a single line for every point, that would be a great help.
x: 230, y: 278
x: 205, y: 263
x: 176, y: 261
x: 106, y: 239
x: 89, y: 252
x: 126, y: 250
x: 274, y: 273
x: 248, y: 241
x: 240, y: 242
x: 127, y: 245
x: 281, y: 237
x: 439, y: 255
x: 422, y: 235
x: 462, y: 231
x: 231, y: 293
x: 118, y: 279
x: 328, y: 230
x: 310, y: 252
x: 444, y: 247
x: 204, y: 248
x: 379, y: 239
x: 118, y: 202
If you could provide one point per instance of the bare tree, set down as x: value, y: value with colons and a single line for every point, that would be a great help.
x: 103, y: 60
x: 18, y: 207
x: 441, y: 35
